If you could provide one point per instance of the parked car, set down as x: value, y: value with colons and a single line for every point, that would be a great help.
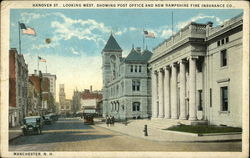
x: 48, y: 119
x: 32, y: 124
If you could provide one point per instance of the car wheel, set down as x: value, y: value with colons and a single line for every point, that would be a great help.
x: 39, y: 131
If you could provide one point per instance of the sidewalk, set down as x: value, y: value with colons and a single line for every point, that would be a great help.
x: 14, y: 133
x: 135, y: 128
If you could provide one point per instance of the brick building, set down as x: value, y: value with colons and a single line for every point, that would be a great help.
x: 18, y: 87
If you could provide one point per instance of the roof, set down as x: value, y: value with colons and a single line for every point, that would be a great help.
x: 112, y: 45
x: 135, y: 56
x: 146, y: 55
x: 91, y: 95
x: 32, y: 117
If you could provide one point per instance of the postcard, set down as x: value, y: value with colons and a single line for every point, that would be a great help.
x: 124, y: 79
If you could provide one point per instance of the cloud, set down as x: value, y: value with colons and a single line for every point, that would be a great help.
x: 196, y: 18
x: 132, y: 29
x: 27, y: 17
x: 88, y: 29
x: 74, y: 51
x: 166, y: 33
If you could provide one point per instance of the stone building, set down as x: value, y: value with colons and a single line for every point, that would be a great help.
x: 197, y: 74
x: 76, y: 101
x: 64, y: 104
x: 126, y: 82
x: 18, y: 87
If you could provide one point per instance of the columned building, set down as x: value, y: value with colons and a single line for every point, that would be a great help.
x: 197, y: 74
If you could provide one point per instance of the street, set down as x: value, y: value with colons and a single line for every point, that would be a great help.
x: 71, y: 134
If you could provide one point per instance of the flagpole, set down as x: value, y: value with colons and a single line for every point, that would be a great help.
x: 143, y: 40
x: 37, y: 63
x: 19, y: 28
x: 172, y: 24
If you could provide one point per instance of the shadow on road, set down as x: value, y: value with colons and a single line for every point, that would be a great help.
x: 57, y: 137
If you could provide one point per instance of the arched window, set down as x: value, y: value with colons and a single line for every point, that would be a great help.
x: 136, y: 106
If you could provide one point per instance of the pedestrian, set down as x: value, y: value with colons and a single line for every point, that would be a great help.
x: 107, y: 120
x: 113, y: 120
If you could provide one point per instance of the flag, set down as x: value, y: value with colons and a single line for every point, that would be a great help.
x: 27, y: 30
x: 41, y: 59
x: 149, y: 34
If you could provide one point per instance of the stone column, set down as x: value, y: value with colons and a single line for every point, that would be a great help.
x: 182, y: 90
x: 166, y: 94
x: 174, y: 92
x: 154, y: 94
x: 192, y: 89
x: 160, y: 90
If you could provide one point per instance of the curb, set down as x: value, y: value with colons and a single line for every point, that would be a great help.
x: 11, y: 139
x: 179, y: 141
x: 204, y: 134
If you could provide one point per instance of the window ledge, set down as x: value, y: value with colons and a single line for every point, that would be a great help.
x: 224, y: 67
x: 224, y: 112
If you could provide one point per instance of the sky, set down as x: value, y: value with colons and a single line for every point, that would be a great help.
x: 79, y: 35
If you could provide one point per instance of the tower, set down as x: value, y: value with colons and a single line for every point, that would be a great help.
x: 111, y: 55
x: 61, y: 94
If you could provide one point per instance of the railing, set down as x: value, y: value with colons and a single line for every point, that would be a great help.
x: 225, y: 24
x: 189, y: 31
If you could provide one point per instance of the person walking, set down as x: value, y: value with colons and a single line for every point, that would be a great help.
x: 108, y: 120
x: 112, y: 120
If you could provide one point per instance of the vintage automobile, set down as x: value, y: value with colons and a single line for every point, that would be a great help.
x: 32, y: 124
x: 89, y: 115
x: 48, y: 119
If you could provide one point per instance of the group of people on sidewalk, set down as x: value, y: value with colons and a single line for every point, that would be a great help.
x: 110, y: 120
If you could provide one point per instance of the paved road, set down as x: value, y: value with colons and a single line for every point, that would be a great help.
x: 73, y: 135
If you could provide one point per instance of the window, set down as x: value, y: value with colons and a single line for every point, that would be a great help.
x: 136, y: 85
x: 227, y: 39
x: 223, y: 58
x: 200, y: 108
x: 139, y: 68
x: 222, y: 41
x: 224, y: 98
x: 135, y: 68
x: 133, y: 85
x: 218, y: 43
x: 136, y: 106
x: 131, y: 68
x: 199, y: 65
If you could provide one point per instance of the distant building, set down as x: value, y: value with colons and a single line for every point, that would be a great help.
x: 126, y: 82
x: 90, y: 99
x: 76, y: 101
x: 197, y: 74
x: 64, y: 104
x: 36, y: 82
x: 33, y: 100
x: 52, y: 80
x: 18, y: 87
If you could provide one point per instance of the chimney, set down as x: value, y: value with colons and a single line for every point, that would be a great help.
x: 138, y: 49
x: 208, y: 27
x: 91, y: 89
